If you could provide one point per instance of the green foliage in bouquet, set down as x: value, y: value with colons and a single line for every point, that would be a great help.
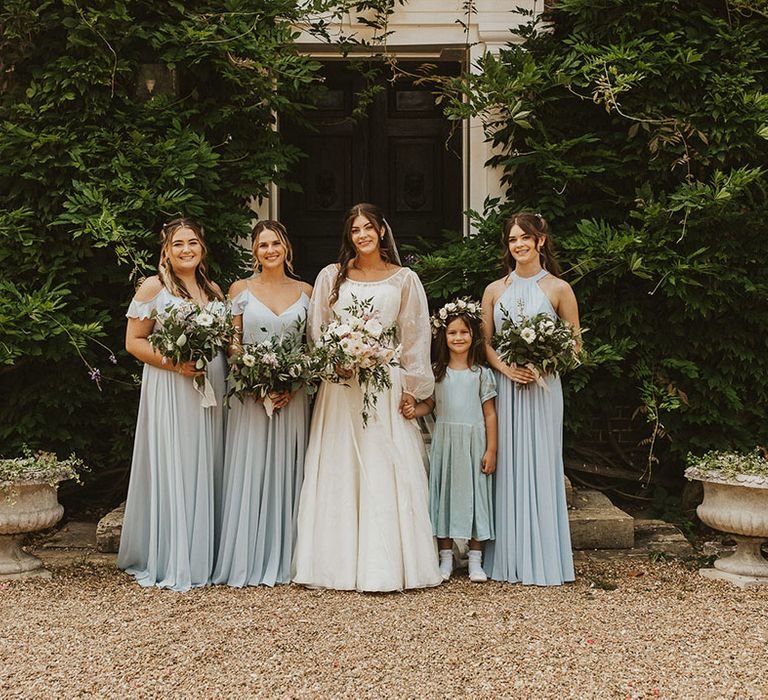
x: 639, y: 130
x: 278, y: 364
x: 358, y: 346
x: 538, y: 342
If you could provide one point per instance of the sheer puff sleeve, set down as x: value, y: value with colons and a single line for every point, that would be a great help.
x: 319, y: 311
x: 415, y: 338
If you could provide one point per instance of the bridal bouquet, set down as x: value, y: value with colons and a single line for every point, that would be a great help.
x: 188, y: 333
x: 541, y: 343
x: 361, y: 346
x: 273, y: 366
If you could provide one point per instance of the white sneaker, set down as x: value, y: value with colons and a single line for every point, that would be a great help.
x: 446, y: 563
x: 476, y: 572
x: 477, y: 575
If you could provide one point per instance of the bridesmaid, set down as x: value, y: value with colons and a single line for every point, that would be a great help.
x: 264, y: 462
x: 168, y: 530
x: 533, y: 542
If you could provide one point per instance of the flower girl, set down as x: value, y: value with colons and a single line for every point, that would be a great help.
x: 463, y: 455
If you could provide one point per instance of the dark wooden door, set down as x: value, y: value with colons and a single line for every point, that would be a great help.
x: 401, y: 156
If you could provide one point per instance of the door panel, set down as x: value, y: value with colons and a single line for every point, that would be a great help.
x: 401, y: 156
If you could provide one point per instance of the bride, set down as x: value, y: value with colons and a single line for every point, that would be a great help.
x: 363, y: 521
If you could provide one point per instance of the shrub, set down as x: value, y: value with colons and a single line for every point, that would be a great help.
x: 639, y: 131
x: 92, y: 162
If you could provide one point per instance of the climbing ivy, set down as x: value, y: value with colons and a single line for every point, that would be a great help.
x: 639, y: 130
x: 115, y: 116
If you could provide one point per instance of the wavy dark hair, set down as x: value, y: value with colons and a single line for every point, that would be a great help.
x: 535, y: 225
x: 347, y: 251
x: 441, y: 355
x: 271, y: 225
x: 170, y: 280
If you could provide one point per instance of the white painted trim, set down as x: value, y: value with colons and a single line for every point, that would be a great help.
x: 427, y: 29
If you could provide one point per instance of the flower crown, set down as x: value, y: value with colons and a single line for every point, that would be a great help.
x: 466, y: 307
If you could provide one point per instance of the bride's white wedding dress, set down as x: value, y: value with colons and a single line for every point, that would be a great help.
x: 363, y: 521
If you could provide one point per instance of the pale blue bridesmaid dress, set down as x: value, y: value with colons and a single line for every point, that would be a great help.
x: 264, y: 466
x: 168, y: 535
x: 533, y: 541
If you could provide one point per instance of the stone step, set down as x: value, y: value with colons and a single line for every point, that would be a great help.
x: 595, y: 523
x: 108, y: 530
x: 598, y: 524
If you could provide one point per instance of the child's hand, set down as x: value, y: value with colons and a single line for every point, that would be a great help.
x: 407, y: 406
x: 489, y: 462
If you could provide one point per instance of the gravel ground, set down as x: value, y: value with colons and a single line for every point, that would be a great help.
x: 623, y: 630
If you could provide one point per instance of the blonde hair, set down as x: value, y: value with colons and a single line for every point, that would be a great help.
x: 170, y: 280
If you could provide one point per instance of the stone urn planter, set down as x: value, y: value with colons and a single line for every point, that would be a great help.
x: 736, y: 502
x: 28, y: 502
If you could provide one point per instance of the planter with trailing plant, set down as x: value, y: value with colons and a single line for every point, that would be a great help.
x: 28, y: 502
x: 735, y: 502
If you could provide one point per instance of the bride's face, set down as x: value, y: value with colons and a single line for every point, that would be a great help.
x: 365, y: 236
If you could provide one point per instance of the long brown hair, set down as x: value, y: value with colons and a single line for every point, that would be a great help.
x: 347, y: 250
x: 534, y: 225
x: 442, y: 355
x: 280, y: 231
x: 171, y: 281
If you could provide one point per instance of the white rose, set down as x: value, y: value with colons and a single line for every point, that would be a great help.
x: 443, y: 313
x: 249, y: 360
x: 204, y: 319
x: 528, y: 335
x: 451, y: 307
x: 342, y: 329
x: 374, y: 327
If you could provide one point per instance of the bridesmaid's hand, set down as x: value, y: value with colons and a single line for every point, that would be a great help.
x: 187, y: 369
x: 280, y: 399
x: 407, y: 405
x: 344, y: 373
x: 489, y: 462
x: 521, y: 375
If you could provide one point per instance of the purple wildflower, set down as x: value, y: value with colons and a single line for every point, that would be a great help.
x: 410, y: 259
x: 95, y: 376
x: 112, y: 358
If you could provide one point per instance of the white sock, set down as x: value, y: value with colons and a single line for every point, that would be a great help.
x: 476, y: 572
x: 446, y: 563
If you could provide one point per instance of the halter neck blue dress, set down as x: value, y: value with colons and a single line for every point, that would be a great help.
x: 533, y: 540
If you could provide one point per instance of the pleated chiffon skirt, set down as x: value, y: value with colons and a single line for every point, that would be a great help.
x: 168, y: 531
x: 263, y: 473
x: 533, y: 540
